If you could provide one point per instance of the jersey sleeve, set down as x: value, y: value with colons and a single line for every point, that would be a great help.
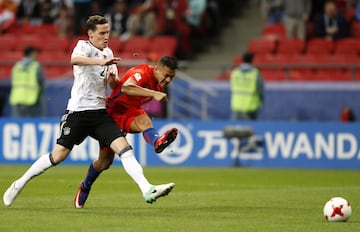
x: 138, y: 76
x: 81, y: 49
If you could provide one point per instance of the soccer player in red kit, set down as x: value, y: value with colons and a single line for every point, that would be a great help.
x: 138, y: 86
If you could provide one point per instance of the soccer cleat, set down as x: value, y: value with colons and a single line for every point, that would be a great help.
x: 157, y: 191
x: 165, y: 140
x: 80, y: 198
x: 11, y: 193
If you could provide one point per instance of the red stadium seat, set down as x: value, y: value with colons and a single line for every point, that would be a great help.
x: 270, y: 59
x: 332, y: 75
x: 347, y: 46
x: 57, y: 71
x: 5, y: 71
x: 10, y: 57
x: 319, y: 46
x: 163, y: 45
x: 133, y: 56
x: 273, y: 74
x: 344, y: 75
x: 137, y: 44
x: 302, y: 59
x: 54, y: 57
x: 301, y: 75
x: 352, y: 59
x: 41, y: 30
x: 262, y: 45
x: 290, y: 46
x: 355, y: 29
x: 260, y: 58
x: 332, y: 59
x: 55, y: 44
x: 116, y: 45
x: 357, y: 74
x: 25, y: 41
x: 276, y: 30
x: 7, y: 42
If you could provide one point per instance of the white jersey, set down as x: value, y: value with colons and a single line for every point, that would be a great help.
x: 89, y: 88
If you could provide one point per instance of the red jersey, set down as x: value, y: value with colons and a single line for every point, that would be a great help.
x: 143, y: 75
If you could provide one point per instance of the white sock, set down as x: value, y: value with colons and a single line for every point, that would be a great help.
x: 38, y: 167
x: 134, y: 170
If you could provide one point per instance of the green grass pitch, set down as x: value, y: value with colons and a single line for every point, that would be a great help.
x: 204, y: 199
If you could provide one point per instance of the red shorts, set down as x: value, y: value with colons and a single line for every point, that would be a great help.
x: 125, y: 118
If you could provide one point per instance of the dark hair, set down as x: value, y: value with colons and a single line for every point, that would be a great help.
x: 168, y: 61
x: 29, y: 50
x: 95, y: 20
x: 248, y: 57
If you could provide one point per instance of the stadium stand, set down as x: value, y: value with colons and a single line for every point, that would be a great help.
x: 45, y: 34
x: 314, y: 59
x: 55, y: 51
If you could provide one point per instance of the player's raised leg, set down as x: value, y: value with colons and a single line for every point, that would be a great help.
x: 136, y: 121
x: 165, y: 140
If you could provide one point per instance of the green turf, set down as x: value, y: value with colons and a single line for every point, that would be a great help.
x: 204, y: 199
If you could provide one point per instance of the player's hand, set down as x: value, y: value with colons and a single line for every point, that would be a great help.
x: 160, y: 96
x: 112, y: 75
x: 112, y: 60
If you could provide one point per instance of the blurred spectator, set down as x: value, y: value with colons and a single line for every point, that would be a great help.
x: 30, y: 12
x: 27, y: 84
x: 64, y: 23
x: 195, y: 12
x: 347, y: 115
x: 196, y: 18
x: 317, y: 8
x: 296, y: 15
x: 82, y: 10
x: 272, y: 11
x: 171, y: 20
x: 53, y: 9
x: 8, y: 10
x: 331, y: 24
x: 142, y: 20
x: 358, y: 11
x: 118, y: 17
x: 107, y: 5
x: 247, y: 90
x: 213, y: 17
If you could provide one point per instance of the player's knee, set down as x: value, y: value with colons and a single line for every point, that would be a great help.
x: 107, y: 165
x: 101, y: 165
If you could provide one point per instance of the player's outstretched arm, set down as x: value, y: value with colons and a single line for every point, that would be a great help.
x: 132, y: 89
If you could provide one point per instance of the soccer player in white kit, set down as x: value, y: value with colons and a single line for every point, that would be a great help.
x: 86, y: 115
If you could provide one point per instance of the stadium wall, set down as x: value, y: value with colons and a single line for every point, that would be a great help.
x: 284, y: 101
x: 202, y: 144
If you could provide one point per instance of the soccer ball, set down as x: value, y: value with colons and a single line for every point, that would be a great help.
x: 337, y: 209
